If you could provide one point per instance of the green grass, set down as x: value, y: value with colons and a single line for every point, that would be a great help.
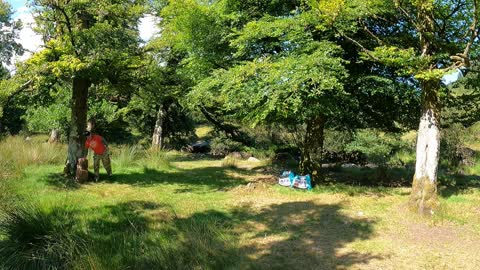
x: 167, y: 210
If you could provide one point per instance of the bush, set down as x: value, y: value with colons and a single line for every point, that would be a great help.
x: 337, y: 140
x: 221, y: 146
x: 453, y: 141
x: 378, y: 147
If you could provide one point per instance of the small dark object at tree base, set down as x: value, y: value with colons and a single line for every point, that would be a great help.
x: 81, y: 175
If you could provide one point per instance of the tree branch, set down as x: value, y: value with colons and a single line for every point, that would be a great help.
x: 380, y: 42
x: 473, y: 29
x: 18, y: 90
x: 69, y: 26
x: 463, y: 59
x: 358, y: 44
x: 406, y: 14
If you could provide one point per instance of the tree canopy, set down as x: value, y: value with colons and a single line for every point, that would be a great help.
x: 8, y: 32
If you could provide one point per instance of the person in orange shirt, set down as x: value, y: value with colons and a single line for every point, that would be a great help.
x: 100, y: 152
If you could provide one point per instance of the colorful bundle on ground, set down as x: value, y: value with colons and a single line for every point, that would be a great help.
x: 289, y: 179
x: 286, y: 178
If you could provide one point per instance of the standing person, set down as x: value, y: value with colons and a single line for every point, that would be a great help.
x: 100, y: 152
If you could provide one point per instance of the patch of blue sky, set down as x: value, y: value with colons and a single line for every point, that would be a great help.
x: 17, y: 6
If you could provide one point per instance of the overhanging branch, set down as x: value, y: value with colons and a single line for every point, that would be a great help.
x: 363, y: 48
x: 463, y: 59
x: 380, y: 42
x: 68, y: 24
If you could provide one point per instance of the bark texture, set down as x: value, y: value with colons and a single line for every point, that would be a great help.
x: 157, y: 138
x: 78, y: 122
x: 424, y: 188
x: 311, y: 159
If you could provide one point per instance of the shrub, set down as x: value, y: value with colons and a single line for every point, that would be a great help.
x: 221, y: 146
x: 377, y: 146
x: 336, y: 140
x: 453, y: 141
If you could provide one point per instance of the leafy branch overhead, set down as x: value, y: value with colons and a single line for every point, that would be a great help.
x: 422, y: 38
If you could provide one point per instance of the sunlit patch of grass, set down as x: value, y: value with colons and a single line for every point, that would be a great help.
x: 473, y: 170
x: 460, y: 208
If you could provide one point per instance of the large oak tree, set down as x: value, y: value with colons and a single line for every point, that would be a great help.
x: 87, y: 42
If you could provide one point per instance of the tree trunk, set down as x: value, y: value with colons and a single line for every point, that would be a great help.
x: 78, y: 122
x: 424, y: 188
x: 312, y: 153
x: 157, y: 138
x: 54, y: 136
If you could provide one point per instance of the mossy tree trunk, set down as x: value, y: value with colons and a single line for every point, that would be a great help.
x: 311, y: 159
x: 424, y: 188
x: 78, y: 123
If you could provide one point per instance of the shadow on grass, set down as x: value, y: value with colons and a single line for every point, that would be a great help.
x: 356, y: 181
x: 370, y: 177
x: 304, y: 235
x: 454, y: 184
x: 294, y: 235
x: 216, y: 178
x: 148, y: 235
x: 60, y: 181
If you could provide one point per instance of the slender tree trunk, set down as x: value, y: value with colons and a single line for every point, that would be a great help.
x: 157, y: 138
x: 78, y: 122
x: 424, y: 188
x: 54, y: 136
x: 311, y: 159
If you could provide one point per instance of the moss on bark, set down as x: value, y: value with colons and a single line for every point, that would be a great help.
x: 423, y: 198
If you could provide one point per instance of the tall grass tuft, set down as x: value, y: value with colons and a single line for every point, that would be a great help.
x: 198, y: 242
x: 155, y: 159
x: 17, y: 153
x: 124, y: 156
x: 35, y: 238
x: 230, y: 163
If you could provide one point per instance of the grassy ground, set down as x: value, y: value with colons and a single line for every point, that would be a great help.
x: 175, y: 211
